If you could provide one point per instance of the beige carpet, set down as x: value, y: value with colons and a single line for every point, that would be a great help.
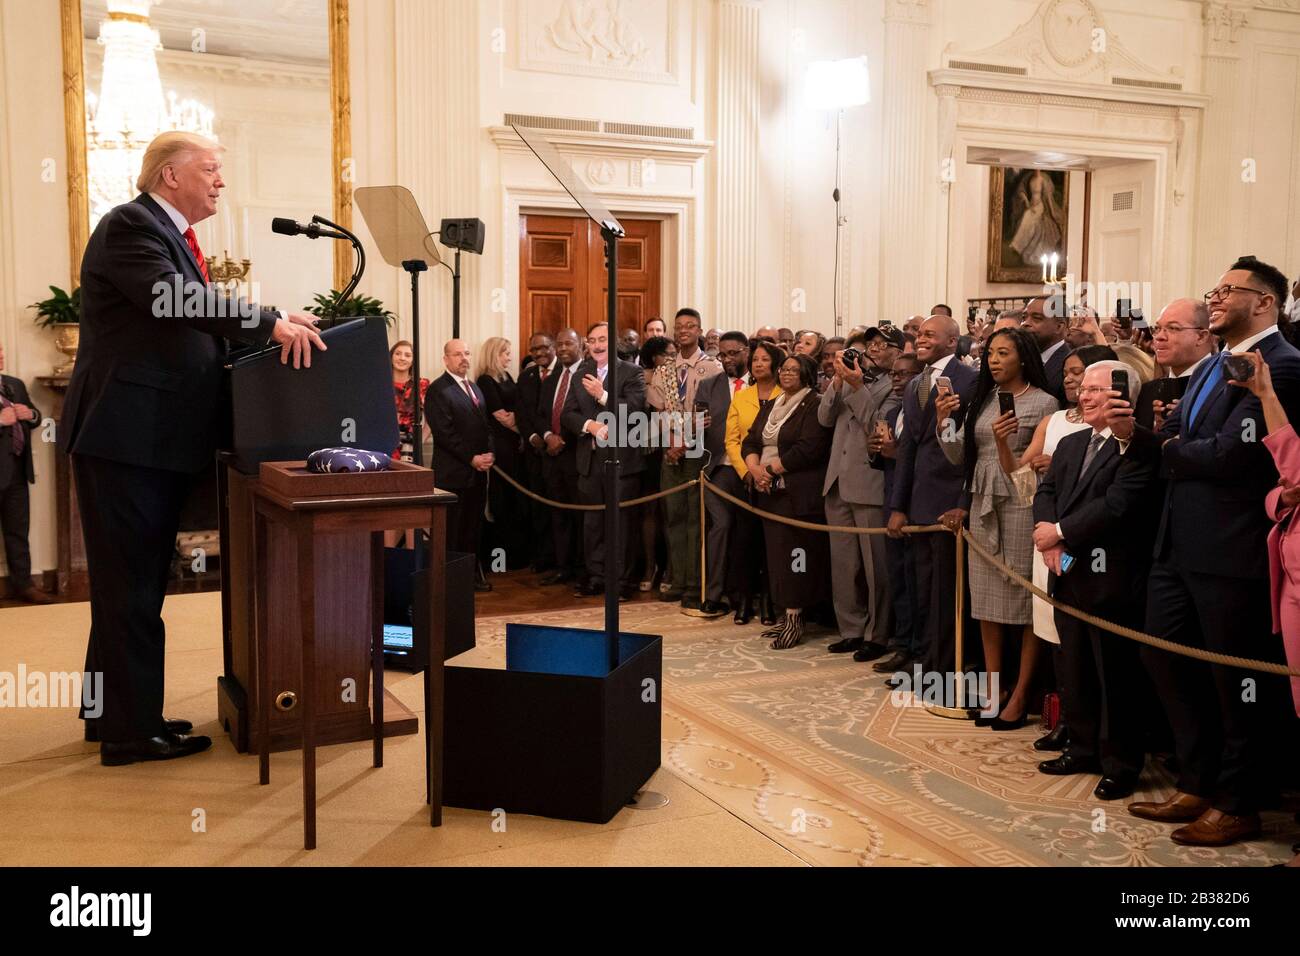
x: 769, y: 758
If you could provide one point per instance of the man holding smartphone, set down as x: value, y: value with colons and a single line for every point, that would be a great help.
x: 1094, y: 506
x: 1182, y: 341
x: 928, y: 487
x: 1209, y: 584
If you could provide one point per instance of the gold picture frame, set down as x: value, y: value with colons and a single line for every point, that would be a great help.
x: 74, y: 122
x: 1046, y: 223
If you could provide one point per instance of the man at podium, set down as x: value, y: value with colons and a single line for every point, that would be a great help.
x: 143, y: 418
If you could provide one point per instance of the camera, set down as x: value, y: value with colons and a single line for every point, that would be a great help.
x: 850, y: 357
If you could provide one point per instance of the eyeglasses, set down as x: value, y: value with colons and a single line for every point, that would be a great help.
x: 1173, y: 329
x: 1223, y: 291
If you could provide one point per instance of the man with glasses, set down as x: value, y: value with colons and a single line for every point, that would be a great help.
x: 1209, y: 584
x: 1182, y: 341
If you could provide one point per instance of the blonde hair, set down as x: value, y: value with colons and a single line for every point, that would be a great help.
x: 489, y: 358
x: 169, y: 149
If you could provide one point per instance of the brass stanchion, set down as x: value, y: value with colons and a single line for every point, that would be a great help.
x: 961, y: 711
x: 703, y: 562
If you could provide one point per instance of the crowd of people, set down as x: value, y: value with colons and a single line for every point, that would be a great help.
x: 1144, y: 473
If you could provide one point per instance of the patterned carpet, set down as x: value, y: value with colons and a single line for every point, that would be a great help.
x: 815, y: 751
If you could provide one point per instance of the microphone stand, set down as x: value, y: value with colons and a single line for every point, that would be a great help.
x: 360, y: 252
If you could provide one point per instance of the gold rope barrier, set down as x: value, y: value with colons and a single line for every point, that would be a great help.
x: 1212, y: 657
x: 630, y: 503
x: 811, y: 525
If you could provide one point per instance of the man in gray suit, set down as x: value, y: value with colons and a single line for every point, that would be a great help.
x: 855, y: 497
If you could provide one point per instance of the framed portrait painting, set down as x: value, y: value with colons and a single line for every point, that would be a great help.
x: 1028, y: 219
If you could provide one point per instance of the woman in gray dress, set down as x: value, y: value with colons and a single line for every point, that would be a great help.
x: 998, y: 520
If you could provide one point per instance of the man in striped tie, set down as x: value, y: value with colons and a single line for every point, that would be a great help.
x: 144, y: 415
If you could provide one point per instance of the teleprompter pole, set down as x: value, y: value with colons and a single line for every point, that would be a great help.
x: 613, y: 545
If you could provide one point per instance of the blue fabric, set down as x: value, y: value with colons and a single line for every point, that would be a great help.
x: 1209, y: 382
x: 348, y: 459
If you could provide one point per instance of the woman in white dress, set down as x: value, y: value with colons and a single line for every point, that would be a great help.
x: 1025, y: 471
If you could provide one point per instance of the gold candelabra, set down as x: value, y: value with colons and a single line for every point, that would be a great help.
x: 228, y: 272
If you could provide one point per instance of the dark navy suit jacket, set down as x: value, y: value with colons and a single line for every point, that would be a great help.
x: 149, y: 388
x: 1218, y: 471
x: 926, y: 484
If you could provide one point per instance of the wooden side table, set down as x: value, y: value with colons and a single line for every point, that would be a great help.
x: 310, y: 505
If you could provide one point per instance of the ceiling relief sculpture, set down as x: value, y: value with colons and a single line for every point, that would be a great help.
x: 623, y: 39
x: 1065, y: 39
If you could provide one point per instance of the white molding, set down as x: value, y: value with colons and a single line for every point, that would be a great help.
x: 1067, y: 92
x: 606, y: 144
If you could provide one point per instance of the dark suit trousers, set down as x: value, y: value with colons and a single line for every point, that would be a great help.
x: 936, y: 589
x: 129, y: 519
x: 15, y: 519
x: 902, y: 582
x: 722, y: 519
x: 1224, y: 743
x: 539, y: 518
x: 1099, y: 698
x: 561, y: 477
x: 592, y: 490
x: 465, y: 517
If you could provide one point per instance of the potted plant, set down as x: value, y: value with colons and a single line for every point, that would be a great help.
x: 62, y: 312
x: 331, y: 306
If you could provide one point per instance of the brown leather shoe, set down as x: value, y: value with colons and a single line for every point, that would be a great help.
x: 1216, y: 828
x: 1180, y: 808
x: 34, y: 596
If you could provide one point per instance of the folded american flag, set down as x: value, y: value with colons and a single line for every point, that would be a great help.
x: 348, y: 459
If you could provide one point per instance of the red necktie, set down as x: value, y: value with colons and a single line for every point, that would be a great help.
x: 737, y: 385
x: 560, y: 392
x: 544, y: 372
x: 470, y: 392
x: 193, y: 242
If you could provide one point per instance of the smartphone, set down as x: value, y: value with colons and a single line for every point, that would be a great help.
x: 1119, y: 383
x: 1166, y: 390
x: 1124, y: 312
x: 945, y: 384
x: 1239, y: 368
x: 1006, y: 403
x: 1067, y: 562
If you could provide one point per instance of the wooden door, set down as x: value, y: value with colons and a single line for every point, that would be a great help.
x: 562, y: 274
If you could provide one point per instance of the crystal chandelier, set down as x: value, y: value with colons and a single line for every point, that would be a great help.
x: 130, y: 109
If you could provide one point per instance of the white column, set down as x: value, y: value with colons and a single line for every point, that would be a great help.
x: 737, y: 84
x: 1219, y: 179
x: 907, y: 174
x: 436, y: 51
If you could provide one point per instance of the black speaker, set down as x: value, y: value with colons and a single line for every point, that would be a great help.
x: 466, y: 234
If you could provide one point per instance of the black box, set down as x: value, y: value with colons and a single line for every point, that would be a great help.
x: 406, y: 606
x: 555, y: 734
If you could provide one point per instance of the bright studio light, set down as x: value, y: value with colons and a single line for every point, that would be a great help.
x: 837, y: 84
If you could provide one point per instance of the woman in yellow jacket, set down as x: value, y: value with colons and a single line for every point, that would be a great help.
x: 747, y: 571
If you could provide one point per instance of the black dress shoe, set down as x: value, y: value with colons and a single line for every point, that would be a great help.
x: 713, y: 609
x: 172, y: 725
x: 691, y: 601
x: 997, y: 723
x: 870, y: 651
x: 846, y: 644
x: 163, y: 747
x: 559, y: 577
x: 1115, y: 788
x: 1067, y: 764
x: 1055, y: 740
x: 589, y: 588
x: 895, y: 662
x: 766, y: 611
x: 482, y: 586
x: 672, y: 595
x: 744, y: 611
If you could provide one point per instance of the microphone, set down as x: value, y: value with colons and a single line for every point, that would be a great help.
x: 313, y: 230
